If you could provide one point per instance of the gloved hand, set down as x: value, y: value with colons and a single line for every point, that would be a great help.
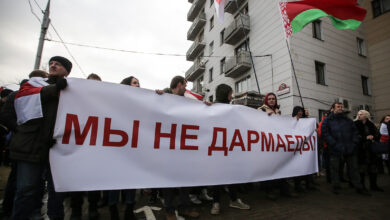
x: 61, y: 84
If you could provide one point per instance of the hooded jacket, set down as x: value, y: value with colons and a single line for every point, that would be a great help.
x: 34, y: 138
x: 340, y: 134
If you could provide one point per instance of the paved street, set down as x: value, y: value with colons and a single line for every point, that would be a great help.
x: 321, y: 204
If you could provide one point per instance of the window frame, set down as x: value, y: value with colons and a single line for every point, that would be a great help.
x: 361, y: 44
x: 319, y: 80
x: 365, y: 85
x: 211, y: 22
x: 222, y: 66
x: 314, y: 25
x: 211, y: 72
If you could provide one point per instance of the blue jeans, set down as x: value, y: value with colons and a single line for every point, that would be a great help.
x: 113, y: 196
x: 29, y: 192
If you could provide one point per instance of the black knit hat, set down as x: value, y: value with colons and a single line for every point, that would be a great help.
x: 5, y: 92
x: 65, y: 62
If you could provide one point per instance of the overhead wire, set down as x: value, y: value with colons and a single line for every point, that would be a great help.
x: 139, y: 52
x: 32, y: 11
x: 58, y: 35
x: 67, y: 49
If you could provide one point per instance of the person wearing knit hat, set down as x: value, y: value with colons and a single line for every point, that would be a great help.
x: 30, y: 146
x: 63, y: 61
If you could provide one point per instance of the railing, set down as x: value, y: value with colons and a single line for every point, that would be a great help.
x: 196, y: 26
x: 195, y: 9
x: 196, y: 70
x: 238, y: 64
x: 235, y: 31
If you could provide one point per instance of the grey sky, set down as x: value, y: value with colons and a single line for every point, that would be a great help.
x: 148, y: 26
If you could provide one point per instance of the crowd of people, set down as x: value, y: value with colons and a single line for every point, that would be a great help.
x: 26, y: 140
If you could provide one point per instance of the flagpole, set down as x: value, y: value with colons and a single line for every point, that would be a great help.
x: 288, y: 34
x: 295, y: 75
x: 249, y: 49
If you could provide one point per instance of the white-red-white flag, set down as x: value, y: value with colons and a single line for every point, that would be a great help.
x: 28, y: 100
x: 220, y: 7
x: 193, y: 95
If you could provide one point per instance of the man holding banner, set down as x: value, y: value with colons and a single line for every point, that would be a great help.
x: 36, y: 108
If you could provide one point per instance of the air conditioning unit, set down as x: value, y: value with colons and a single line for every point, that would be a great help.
x: 347, y: 105
x: 365, y: 107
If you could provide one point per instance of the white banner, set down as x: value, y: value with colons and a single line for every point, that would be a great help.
x: 112, y: 136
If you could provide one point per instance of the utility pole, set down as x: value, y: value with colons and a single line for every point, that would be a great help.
x: 44, y: 27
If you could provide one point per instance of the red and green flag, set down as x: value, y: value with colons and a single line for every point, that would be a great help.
x: 344, y: 14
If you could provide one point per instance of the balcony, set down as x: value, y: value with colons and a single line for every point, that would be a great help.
x: 237, y: 29
x: 196, y: 70
x: 198, y: 24
x: 231, y: 6
x: 196, y: 7
x: 194, y: 50
x: 237, y: 65
x: 251, y: 99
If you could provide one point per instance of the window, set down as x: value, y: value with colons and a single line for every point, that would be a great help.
x: 221, y: 37
x: 222, y: 66
x: 211, y: 23
x: 211, y: 98
x: 320, y: 73
x: 361, y: 47
x: 211, y: 75
x: 317, y: 29
x: 211, y: 47
x: 242, y: 47
x: 245, y: 10
x: 365, y: 85
x: 201, y: 36
x: 243, y: 85
x: 380, y: 7
x: 199, y: 84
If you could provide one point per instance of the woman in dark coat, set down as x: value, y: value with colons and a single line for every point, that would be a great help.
x: 367, y: 160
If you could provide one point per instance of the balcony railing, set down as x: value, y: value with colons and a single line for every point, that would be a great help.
x: 231, y: 6
x: 237, y: 29
x: 194, y: 50
x: 197, y: 5
x: 237, y: 65
x: 198, y: 24
x: 196, y: 70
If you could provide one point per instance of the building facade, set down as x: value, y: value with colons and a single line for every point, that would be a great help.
x: 330, y: 64
x: 377, y: 26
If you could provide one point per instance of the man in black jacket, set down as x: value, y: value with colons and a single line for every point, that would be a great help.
x: 34, y: 137
x: 8, y: 121
x: 342, y: 138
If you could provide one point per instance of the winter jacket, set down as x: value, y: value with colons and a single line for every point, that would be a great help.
x: 34, y: 138
x: 319, y: 132
x: 385, y: 132
x: 8, y: 114
x: 340, y: 134
x: 363, y: 133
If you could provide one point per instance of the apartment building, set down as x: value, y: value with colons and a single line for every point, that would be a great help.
x: 377, y: 28
x: 330, y: 64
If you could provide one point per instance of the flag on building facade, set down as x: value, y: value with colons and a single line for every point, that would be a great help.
x: 220, y: 8
x: 28, y: 100
x: 344, y: 14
